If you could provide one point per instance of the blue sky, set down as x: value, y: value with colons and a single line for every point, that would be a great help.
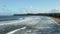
x: 8, y: 7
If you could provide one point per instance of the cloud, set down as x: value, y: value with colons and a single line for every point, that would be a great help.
x: 34, y: 10
x: 39, y: 10
x: 30, y: 9
x: 55, y: 10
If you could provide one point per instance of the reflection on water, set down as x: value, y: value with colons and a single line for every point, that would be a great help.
x: 46, y: 25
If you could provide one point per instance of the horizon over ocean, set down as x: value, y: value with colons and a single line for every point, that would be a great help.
x: 10, y: 17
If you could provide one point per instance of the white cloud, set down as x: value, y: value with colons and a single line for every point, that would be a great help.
x: 34, y: 10
x: 55, y: 10
x: 30, y: 9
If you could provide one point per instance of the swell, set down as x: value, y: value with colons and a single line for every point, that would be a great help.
x: 16, y: 24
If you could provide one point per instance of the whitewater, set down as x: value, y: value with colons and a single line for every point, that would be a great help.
x: 29, y: 25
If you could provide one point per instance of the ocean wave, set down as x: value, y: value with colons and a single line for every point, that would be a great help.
x: 14, y: 31
x: 45, y: 25
x: 41, y: 23
x: 7, y: 25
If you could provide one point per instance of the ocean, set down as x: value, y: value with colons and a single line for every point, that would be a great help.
x: 33, y: 24
x: 7, y: 18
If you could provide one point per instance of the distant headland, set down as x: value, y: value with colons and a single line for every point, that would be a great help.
x: 57, y: 15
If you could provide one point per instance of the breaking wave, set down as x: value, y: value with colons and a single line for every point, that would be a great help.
x: 35, y: 23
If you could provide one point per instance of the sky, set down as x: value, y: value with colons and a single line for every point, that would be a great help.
x: 8, y: 7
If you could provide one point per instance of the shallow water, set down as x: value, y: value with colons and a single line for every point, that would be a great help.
x: 45, y: 25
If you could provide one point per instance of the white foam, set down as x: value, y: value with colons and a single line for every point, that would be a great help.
x: 27, y: 21
x: 12, y: 32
